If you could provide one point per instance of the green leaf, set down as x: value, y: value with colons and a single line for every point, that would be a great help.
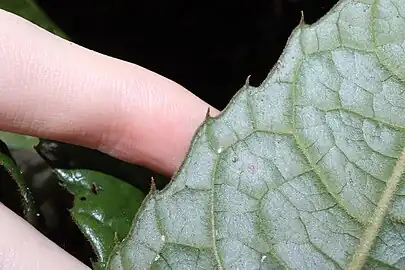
x: 31, y: 12
x: 302, y: 172
x: 18, y: 141
x: 13, y: 188
x: 104, y: 207
x: 67, y: 156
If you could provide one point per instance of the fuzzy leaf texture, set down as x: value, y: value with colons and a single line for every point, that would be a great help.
x: 302, y: 172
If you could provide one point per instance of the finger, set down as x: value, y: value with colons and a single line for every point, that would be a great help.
x: 22, y: 247
x: 54, y: 89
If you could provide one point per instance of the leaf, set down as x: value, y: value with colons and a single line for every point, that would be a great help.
x: 103, y: 209
x: 18, y: 141
x: 301, y: 172
x: 11, y: 182
x: 67, y: 156
x: 121, y: 182
x: 31, y: 12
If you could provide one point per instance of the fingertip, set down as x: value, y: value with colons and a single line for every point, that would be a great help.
x: 54, y: 89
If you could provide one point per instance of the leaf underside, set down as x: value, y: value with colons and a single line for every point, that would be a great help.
x: 290, y: 174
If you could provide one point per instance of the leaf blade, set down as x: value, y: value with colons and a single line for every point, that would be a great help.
x: 10, y: 171
x: 293, y: 169
x: 103, y: 208
x: 18, y: 141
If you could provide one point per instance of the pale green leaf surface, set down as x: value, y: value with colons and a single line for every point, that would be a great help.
x: 290, y: 174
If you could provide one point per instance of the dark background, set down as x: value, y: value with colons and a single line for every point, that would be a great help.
x: 209, y: 47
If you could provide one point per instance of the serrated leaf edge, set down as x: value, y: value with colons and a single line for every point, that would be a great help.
x: 371, y: 231
x: 195, y: 138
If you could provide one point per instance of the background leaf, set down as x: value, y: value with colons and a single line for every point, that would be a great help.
x: 107, y: 192
x: 290, y: 174
x: 18, y: 141
x: 104, y: 207
x: 30, y: 11
x: 13, y: 188
x: 66, y: 156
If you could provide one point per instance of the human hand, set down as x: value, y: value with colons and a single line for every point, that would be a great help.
x: 51, y: 88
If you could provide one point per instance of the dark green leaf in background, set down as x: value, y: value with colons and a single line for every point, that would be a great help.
x: 18, y: 141
x: 14, y: 191
x: 107, y: 192
x: 104, y: 207
x: 66, y: 156
x: 30, y: 11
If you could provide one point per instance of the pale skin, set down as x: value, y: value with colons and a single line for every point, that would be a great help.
x: 52, y: 88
